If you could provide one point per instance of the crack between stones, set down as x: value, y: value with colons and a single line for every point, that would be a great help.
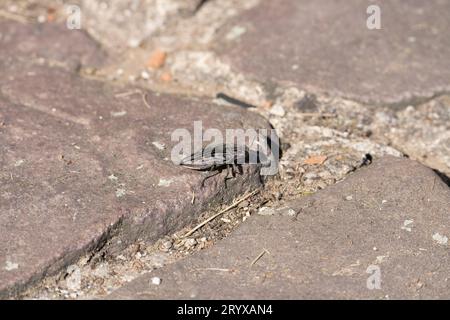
x: 63, y: 262
x: 106, y: 242
x: 414, y: 101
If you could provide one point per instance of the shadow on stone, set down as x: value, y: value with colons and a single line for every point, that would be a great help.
x: 443, y: 177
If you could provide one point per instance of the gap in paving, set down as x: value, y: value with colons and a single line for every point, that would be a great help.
x: 105, y: 269
x: 101, y: 251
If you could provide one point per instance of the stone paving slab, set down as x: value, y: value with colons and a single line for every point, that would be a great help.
x: 119, y: 24
x: 325, y: 46
x: 391, y: 217
x: 53, y: 43
x: 79, y: 165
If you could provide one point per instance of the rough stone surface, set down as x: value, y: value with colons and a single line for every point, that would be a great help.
x: 392, y: 215
x: 116, y: 24
x: 285, y: 57
x: 422, y: 132
x: 119, y: 24
x: 51, y: 42
x: 80, y: 163
x: 325, y: 46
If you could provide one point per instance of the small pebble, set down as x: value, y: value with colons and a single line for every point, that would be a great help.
x: 41, y: 19
x: 11, y: 266
x: 310, y: 176
x: 235, y: 33
x: 145, y: 75
x: 277, y: 110
x: 157, y: 59
x: 166, y: 77
x: 266, y: 211
x: 134, y: 43
x: 290, y: 212
x: 321, y: 185
x: 243, y: 204
x: 189, y: 243
x: 166, y: 245
x: 159, y: 145
x: 119, y: 72
x: 440, y: 239
x: 156, y: 281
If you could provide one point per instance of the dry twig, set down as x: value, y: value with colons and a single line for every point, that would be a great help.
x: 214, y: 269
x: 144, y: 98
x: 127, y: 93
x: 221, y: 212
x: 14, y: 16
x: 259, y: 256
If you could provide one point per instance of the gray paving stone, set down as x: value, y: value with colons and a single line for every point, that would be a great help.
x: 325, y: 46
x: 119, y: 24
x: 79, y: 165
x: 53, y: 43
x: 422, y: 132
x: 390, y: 217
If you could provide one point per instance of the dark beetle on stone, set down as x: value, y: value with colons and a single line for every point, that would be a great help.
x: 223, y: 156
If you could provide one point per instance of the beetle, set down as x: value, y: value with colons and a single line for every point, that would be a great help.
x: 217, y: 157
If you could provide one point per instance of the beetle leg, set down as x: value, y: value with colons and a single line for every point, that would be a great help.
x: 261, y: 178
x: 209, y: 176
x: 227, y: 176
x: 233, y: 170
x: 239, y: 169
